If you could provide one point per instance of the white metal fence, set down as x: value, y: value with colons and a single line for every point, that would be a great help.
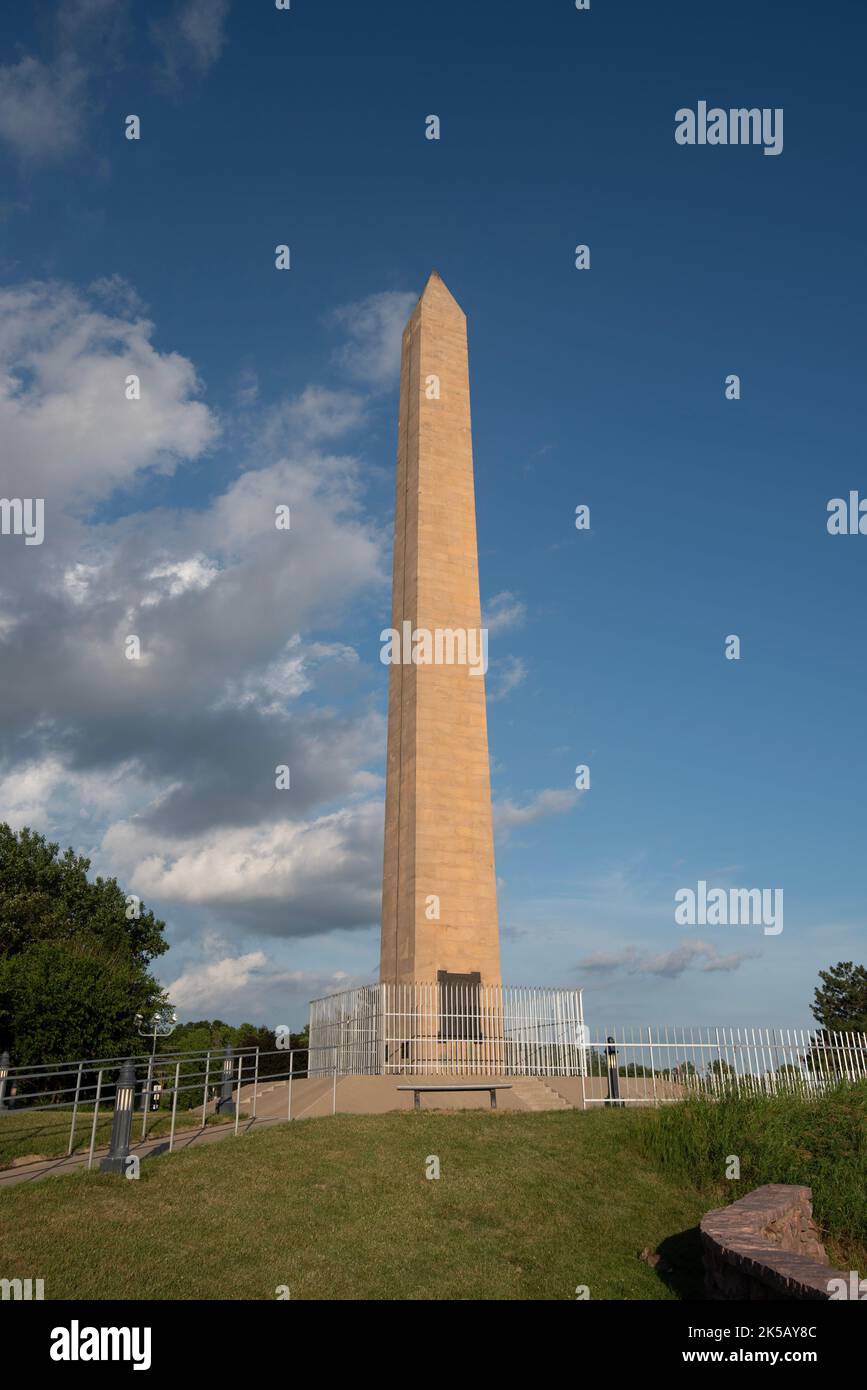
x: 657, y: 1065
x: 435, y: 1030
x: 452, y: 1030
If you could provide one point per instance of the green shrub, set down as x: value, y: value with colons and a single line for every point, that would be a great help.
x: 819, y: 1141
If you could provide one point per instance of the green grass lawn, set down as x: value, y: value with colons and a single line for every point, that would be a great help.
x: 45, y: 1134
x: 528, y: 1206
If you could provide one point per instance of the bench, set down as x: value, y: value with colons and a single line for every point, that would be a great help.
x: 493, y: 1087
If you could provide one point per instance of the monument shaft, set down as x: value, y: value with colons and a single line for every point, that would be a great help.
x: 439, y: 902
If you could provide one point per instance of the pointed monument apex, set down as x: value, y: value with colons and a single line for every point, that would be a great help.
x: 435, y: 287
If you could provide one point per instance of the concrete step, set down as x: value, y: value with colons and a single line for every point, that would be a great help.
x: 533, y: 1094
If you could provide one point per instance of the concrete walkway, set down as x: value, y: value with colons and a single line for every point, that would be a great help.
x: 268, y: 1113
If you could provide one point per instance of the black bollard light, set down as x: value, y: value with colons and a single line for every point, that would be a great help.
x: 226, y: 1105
x: 4, y: 1074
x: 613, y: 1078
x: 121, y: 1125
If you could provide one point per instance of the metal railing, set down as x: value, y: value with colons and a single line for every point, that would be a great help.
x: 219, y: 1082
x: 527, y: 1035
x: 642, y: 1066
x: 452, y: 1030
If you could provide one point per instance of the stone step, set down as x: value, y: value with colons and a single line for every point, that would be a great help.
x: 534, y: 1094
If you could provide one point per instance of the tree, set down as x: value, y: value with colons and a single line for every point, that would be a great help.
x: 65, y: 999
x: 207, y: 1035
x: 840, y: 1006
x: 47, y: 896
x: 74, y: 956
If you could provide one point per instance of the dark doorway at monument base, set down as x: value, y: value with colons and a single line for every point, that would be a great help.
x: 459, y: 1012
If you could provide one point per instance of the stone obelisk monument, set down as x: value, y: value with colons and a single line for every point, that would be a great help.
x: 439, y: 898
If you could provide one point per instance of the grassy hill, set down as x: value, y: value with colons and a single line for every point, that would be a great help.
x: 527, y: 1206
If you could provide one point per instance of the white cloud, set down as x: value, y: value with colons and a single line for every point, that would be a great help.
x: 198, y: 572
x: 191, y: 35
x: 551, y: 802
x: 166, y: 764
x: 116, y: 293
x: 45, y: 101
x: 702, y: 955
x: 374, y: 326
x: 503, y: 611
x: 41, y: 107
x: 316, y: 414
x: 67, y: 426
x: 216, y: 982
x: 43, y: 790
x: 506, y: 675
x: 319, y: 873
x: 229, y: 981
x: 291, y: 675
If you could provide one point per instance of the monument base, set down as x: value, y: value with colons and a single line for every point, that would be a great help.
x: 440, y: 1029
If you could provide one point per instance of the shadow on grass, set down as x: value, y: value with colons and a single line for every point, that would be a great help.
x: 680, y: 1266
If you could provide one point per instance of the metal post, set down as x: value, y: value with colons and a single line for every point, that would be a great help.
x: 291, y: 1062
x: 4, y: 1073
x: 121, y: 1125
x: 238, y: 1102
x: 613, y: 1079
x: 146, y: 1093
x: 74, y: 1111
x: 205, y: 1093
x: 174, y: 1106
x: 652, y: 1065
x: 225, y: 1105
x: 95, y: 1117
x: 334, y: 1086
x: 255, y: 1084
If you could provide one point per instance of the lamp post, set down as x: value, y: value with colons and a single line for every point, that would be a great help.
x: 226, y: 1105
x: 162, y: 1025
x: 4, y: 1073
x: 613, y: 1079
x: 121, y: 1125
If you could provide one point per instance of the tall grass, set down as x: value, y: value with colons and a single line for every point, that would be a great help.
x: 820, y: 1141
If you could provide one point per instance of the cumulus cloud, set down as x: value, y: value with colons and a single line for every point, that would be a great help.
x: 290, y: 675
x: 47, y: 792
x: 288, y: 879
x: 503, y: 611
x: 192, y: 35
x: 228, y: 982
x: 699, y: 955
x: 551, y: 802
x: 315, y: 415
x: 45, y: 100
x: 68, y: 427
x: 167, y: 763
x: 42, y: 107
x: 374, y: 327
x: 506, y: 675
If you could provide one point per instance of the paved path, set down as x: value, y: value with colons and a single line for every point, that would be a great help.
x: 184, y: 1139
x: 271, y: 1110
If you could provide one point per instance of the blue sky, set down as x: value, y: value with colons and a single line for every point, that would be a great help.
x: 604, y: 387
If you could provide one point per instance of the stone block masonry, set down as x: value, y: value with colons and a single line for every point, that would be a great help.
x: 439, y: 900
